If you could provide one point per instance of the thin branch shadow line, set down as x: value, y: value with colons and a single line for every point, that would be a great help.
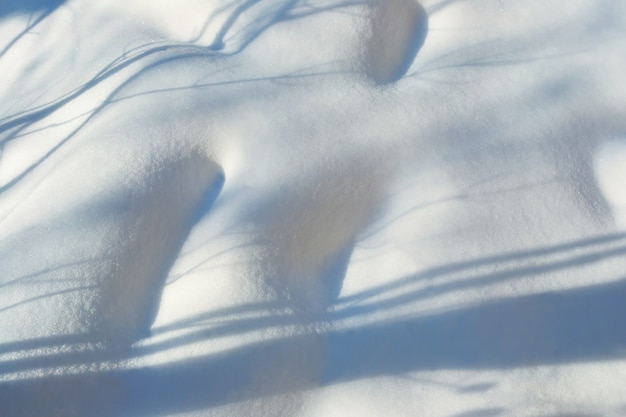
x: 400, y: 354
x: 51, y: 151
x: 225, y: 328
x: 218, y: 43
x: 139, y: 53
x: 210, y: 18
x: 270, y: 18
x: 463, y: 196
x: 88, y: 354
x: 293, y: 75
x: 465, y: 265
x: 248, y: 324
x: 55, y: 342
x: 485, y: 62
x: 225, y: 83
x: 465, y: 283
x: 127, y: 58
x: 492, y: 44
x: 220, y: 315
x: 239, y: 325
x: 29, y: 26
x: 50, y: 126
x: 102, y: 354
x: 31, y: 115
x: 18, y: 134
x: 203, y: 382
x: 576, y: 325
x: 199, y: 265
x: 109, y: 101
x: 229, y: 231
x: 251, y: 323
x: 44, y: 296
x: 47, y: 342
x: 311, y: 9
x: 494, y: 59
x: 39, y: 95
x: 482, y: 337
x: 29, y: 278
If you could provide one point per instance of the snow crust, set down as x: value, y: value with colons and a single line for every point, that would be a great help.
x: 312, y: 208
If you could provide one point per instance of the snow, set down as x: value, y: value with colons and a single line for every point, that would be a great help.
x: 312, y: 208
x: 610, y: 167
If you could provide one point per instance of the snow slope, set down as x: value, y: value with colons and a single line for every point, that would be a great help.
x: 312, y: 208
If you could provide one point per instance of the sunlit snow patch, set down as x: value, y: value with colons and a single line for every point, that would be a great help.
x: 610, y: 169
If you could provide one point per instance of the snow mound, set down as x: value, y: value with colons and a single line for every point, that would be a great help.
x: 246, y: 207
x: 397, y: 31
x: 119, y: 237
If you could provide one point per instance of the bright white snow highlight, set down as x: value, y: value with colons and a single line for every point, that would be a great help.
x: 610, y: 164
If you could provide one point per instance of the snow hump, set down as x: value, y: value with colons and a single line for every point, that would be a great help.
x: 397, y: 30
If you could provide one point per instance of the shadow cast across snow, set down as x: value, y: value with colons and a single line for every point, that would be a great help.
x: 510, y: 267
x: 118, y: 289
x: 9, y: 7
x: 575, y: 325
x: 389, y: 49
x: 571, y: 326
x: 240, y: 374
x: 38, y: 11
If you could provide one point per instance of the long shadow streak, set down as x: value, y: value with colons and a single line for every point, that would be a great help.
x: 580, y: 325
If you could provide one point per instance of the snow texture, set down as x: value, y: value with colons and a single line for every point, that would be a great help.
x: 312, y: 208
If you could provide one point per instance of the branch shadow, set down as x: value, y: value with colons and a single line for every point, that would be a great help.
x: 171, y: 50
x: 537, y: 259
x: 149, y: 57
x: 578, y: 325
x: 570, y: 326
x: 9, y: 7
x: 38, y: 10
x: 494, y: 335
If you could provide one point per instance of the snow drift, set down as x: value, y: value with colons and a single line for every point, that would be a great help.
x: 312, y: 208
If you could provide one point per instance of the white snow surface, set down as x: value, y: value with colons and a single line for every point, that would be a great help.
x: 312, y: 208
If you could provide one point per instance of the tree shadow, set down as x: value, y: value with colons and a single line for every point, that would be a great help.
x: 578, y: 325
x: 494, y: 335
x: 146, y: 58
x: 570, y: 326
x: 9, y: 7
x: 20, y: 122
x: 191, y: 385
x: 538, y: 262
x: 38, y: 10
